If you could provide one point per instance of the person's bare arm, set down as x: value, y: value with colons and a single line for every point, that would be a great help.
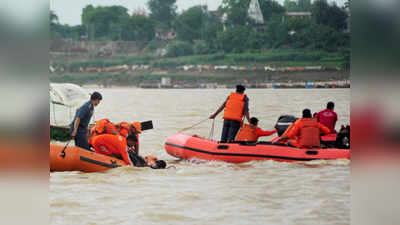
x: 247, y: 115
x: 218, y: 111
x: 282, y: 138
x: 76, y: 124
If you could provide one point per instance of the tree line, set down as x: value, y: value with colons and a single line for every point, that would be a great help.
x: 228, y: 29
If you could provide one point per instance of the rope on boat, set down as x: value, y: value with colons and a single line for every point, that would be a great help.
x: 211, y: 136
x: 188, y: 128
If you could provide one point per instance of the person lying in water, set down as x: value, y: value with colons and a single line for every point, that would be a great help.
x: 251, y: 132
x: 124, y: 148
x: 149, y: 161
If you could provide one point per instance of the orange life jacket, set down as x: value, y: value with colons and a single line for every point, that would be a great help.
x: 108, y: 144
x: 124, y: 130
x: 247, y: 133
x: 234, y: 107
x: 104, y: 126
x: 309, y: 133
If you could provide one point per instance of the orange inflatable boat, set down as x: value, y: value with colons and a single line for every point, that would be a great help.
x: 186, y: 146
x: 77, y: 159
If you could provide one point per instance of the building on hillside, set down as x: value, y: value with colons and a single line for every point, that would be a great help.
x: 255, y: 13
x: 300, y: 15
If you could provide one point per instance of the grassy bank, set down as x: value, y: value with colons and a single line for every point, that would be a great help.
x: 278, y: 58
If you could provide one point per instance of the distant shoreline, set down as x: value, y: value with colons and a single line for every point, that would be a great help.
x: 176, y: 79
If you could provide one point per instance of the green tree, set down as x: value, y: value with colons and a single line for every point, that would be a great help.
x: 163, y: 12
x: 298, y: 5
x: 234, y: 39
x: 236, y: 11
x: 138, y: 28
x: 179, y: 48
x: 104, y: 22
x: 53, y: 18
x: 308, y: 34
x: 189, y: 25
x: 277, y: 32
x: 270, y: 7
x: 304, y: 5
x: 54, y: 26
x: 290, y: 5
x: 212, y: 26
x: 329, y: 15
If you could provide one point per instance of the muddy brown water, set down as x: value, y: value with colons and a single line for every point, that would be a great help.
x: 198, y: 192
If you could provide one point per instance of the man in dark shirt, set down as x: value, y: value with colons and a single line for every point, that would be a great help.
x: 235, y: 107
x: 80, y: 124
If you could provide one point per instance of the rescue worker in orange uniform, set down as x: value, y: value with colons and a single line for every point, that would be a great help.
x: 123, y: 148
x: 126, y: 129
x: 305, y: 133
x: 115, y: 145
x: 104, y: 126
x: 251, y: 132
x: 236, y: 106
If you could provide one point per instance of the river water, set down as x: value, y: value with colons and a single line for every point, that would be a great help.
x: 195, y: 192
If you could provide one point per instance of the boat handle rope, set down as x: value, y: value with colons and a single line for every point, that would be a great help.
x: 62, y: 154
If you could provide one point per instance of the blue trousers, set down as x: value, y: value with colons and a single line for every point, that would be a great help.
x: 81, y: 140
x: 229, y: 131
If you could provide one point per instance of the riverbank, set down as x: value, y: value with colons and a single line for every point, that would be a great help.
x: 268, y: 60
x: 209, y: 79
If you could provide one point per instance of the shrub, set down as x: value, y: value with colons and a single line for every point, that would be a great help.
x: 201, y: 48
x: 179, y: 48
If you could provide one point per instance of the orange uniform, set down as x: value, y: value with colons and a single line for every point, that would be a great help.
x: 234, y: 107
x: 250, y: 133
x: 125, y: 130
x: 109, y: 144
x: 104, y: 126
x: 306, y: 132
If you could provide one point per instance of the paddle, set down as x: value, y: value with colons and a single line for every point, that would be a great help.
x: 147, y: 125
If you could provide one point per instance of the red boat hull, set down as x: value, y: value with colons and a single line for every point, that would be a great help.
x: 187, y: 146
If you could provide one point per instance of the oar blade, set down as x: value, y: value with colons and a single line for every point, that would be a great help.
x: 147, y: 125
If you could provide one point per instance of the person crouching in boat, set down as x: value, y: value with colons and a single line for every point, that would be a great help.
x: 251, y: 132
x: 105, y: 126
x: 236, y: 106
x: 134, y: 128
x: 124, y: 148
x: 114, y: 145
x: 305, y: 133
